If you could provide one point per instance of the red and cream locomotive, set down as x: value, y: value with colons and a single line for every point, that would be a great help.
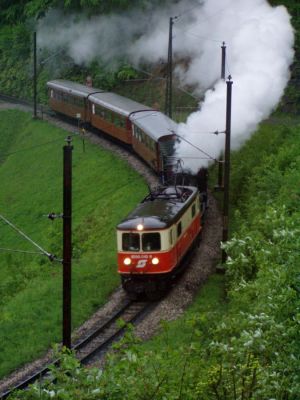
x: 153, y: 239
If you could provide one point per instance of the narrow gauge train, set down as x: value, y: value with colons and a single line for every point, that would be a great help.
x: 150, y: 133
x: 153, y: 239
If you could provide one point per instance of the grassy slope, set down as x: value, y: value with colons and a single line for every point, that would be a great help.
x: 104, y: 190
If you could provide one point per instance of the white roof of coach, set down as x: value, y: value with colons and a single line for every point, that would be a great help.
x: 117, y: 103
x: 72, y: 87
x: 155, y: 123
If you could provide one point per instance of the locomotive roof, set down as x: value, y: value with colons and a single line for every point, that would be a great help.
x: 161, y: 209
x: 72, y: 87
x: 117, y: 103
x: 155, y: 123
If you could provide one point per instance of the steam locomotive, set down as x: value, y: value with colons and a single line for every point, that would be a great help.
x: 154, y: 238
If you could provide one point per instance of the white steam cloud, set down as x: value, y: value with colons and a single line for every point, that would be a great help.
x: 259, y: 40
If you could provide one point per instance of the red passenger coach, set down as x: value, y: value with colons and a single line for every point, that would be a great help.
x: 70, y: 98
x: 154, y: 238
x: 111, y: 112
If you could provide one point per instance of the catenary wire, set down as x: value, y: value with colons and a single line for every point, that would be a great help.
x: 196, y: 147
x: 49, y: 255
x: 36, y: 146
x: 20, y: 251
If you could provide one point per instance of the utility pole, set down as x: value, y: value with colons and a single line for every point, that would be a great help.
x: 223, y: 62
x: 220, y: 185
x: 34, y: 76
x: 169, y: 83
x: 67, y: 242
x: 227, y: 165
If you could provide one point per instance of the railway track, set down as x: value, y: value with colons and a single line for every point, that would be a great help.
x: 95, y: 344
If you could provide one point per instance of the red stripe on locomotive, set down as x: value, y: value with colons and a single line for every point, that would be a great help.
x: 141, y: 262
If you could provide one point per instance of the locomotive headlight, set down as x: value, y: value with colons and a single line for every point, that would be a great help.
x: 155, y: 261
x: 140, y: 227
x: 127, y: 261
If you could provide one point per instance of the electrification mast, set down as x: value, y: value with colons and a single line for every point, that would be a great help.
x: 67, y: 242
x: 227, y: 165
x: 168, y: 101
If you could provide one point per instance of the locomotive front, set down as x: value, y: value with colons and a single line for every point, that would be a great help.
x: 143, y: 252
x: 148, y: 239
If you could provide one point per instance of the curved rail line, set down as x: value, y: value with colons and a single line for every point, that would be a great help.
x: 96, y: 343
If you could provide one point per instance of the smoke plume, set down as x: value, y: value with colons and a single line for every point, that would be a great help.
x: 259, y: 40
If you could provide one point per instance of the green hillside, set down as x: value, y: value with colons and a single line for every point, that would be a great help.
x: 104, y: 190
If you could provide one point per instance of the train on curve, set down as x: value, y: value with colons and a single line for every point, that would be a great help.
x: 150, y: 133
x: 154, y: 238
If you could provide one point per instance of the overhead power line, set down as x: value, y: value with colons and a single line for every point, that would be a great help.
x: 43, y: 251
x: 196, y: 147
x: 20, y: 251
x: 29, y: 148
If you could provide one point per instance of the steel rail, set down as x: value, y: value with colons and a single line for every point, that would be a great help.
x: 82, y: 344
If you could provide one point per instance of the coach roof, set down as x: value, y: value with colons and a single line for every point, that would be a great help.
x: 119, y: 104
x: 72, y: 88
x: 155, y: 124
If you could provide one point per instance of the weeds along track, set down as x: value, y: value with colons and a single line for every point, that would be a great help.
x: 96, y: 343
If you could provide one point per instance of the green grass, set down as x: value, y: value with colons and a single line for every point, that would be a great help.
x: 209, y: 303
x: 104, y: 191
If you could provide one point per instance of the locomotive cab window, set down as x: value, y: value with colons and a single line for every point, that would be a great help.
x: 151, y: 242
x: 171, y: 236
x: 179, y: 229
x: 131, y: 242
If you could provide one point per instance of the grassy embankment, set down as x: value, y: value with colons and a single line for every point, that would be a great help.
x: 104, y: 190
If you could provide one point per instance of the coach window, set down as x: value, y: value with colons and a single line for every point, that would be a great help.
x: 151, y: 241
x: 131, y: 241
x: 179, y: 229
x: 116, y: 120
x: 112, y: 117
